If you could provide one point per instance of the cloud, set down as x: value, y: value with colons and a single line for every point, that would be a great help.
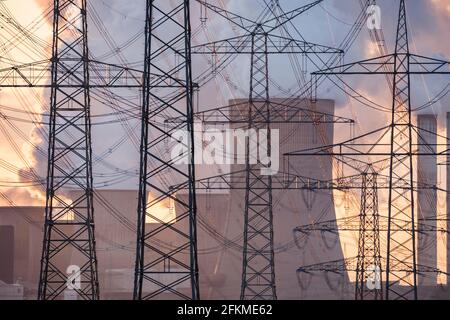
x: 44, y: 5
x: 123, y: 19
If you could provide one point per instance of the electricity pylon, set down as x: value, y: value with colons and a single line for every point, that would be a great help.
x: 259, y: 41
x: 369, y: 251
x: 401, y: 271
x: 69, y: 223
x: 166, y: 254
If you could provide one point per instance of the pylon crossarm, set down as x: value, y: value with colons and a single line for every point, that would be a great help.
x: 279, y: 113
x: 423, y: 269
x: 358, y: 147
x: 352, y: 224
x: 237, y: 181
x: 279, y: 44
x: 425, y: 65
x: 378, y: 65
x: 337, y: 266
x: 332, y: 226
x: 102, y: 75
x: 234, y: 45
x: 385, y: 65
x: 350, y: 147
x: 249, y: 25
x: 275, y: 45
x: 349, y: 265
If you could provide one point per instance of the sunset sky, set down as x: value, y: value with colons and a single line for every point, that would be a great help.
x: 123, y: 20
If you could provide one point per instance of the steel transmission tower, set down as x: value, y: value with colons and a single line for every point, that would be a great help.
x: 401, y: 200
x: 164, y: 268
x: 259, y: 41
x: 69, y: 223
x: 367, y: 264
x: 369, y: 251
x: 401, y: 265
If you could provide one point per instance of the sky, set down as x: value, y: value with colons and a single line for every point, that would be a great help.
x: 121, y: 23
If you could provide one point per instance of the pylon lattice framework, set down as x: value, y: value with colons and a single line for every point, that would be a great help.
x: 70, y: 74
x: 401, y: 265
x: 166, y: 269
x: 258, y: 275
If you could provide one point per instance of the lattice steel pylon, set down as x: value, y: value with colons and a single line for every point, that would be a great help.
x: 401, y: 266
x: 69, y: 224
x: 258, y: 276
x: 259, y: 41
x: 369, y: 251
x: 401, y: 251
x: 166, y: 256
x: 368, y: 264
